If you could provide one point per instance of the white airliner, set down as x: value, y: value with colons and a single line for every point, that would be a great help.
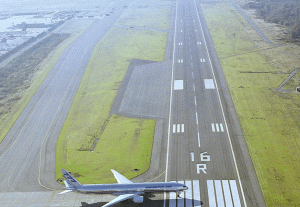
x: 125, y: 189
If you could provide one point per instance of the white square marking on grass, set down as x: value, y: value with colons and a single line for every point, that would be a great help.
x: 209, y: 84
x: 178, y: 84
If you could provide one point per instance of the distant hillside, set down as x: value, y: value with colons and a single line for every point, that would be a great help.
x: 284, y: 12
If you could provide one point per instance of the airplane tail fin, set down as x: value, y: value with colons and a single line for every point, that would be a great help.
x: 71, y: 183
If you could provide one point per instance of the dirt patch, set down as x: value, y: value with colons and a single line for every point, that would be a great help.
x: 16, y: 76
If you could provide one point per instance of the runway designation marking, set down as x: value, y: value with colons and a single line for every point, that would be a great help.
x: 180, y: 43
x: 217, y: 127
x: 201, y: 168
x: 180, y: 60
x: 190, y: 198
x: 178, y: 84
x: 209, y: 84
x: 198, y: 43
x: 223, y: 193
x: 202, y: 60
x: 192, y: 156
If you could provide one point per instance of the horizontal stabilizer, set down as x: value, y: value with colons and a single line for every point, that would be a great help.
x: 65, y: 191
x: 119, y: 199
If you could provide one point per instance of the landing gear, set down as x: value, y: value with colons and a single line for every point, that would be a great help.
x: 178, y: 194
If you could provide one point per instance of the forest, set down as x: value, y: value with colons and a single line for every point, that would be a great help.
x: 284, y: 12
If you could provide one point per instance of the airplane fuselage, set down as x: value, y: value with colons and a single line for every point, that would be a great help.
x: 118, y: 189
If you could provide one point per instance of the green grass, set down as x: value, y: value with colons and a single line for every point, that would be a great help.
x: 269, y: 119
x: 124, y: 143
x: 147, y: 15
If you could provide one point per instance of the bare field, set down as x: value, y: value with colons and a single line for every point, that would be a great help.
x: 269, y: 119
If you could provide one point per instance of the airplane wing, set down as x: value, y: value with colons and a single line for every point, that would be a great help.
x: 120, y: 178
x: 119, y: 199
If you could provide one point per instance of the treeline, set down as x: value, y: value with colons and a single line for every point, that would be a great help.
x: 284, y: 12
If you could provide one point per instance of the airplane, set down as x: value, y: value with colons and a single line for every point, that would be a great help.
x: 125, y: 189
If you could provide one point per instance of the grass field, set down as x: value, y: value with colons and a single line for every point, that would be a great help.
x: 124, y: 143
x: 270, y: 120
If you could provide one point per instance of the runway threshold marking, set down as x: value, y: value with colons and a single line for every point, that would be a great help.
x: 223, y: 193
x: 191, y: 197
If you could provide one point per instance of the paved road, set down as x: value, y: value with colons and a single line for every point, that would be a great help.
x: 27, y: 159
x: 256, y: 28
x: 206, y: 146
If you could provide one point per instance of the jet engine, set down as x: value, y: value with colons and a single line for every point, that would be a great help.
x: 138, y: 199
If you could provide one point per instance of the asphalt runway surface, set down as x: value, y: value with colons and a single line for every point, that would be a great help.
x: 207, y: 150
x: 27, y: 159
x: 201, y: 143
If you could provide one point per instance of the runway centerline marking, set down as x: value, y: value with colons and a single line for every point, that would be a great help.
x: 192, y: 156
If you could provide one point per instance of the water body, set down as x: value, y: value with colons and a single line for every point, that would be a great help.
x: 13, y: 6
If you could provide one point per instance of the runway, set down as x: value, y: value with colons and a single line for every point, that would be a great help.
x: 203, y: 149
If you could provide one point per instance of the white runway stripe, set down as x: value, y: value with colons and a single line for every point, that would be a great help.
x: 222, y: 193
x: 216, y: 127
x: 196, y: 193
x: 190, y: 198
x: 188, y: 194
x: 172, y: 199
x: 221, y: 127
x: 180, y: 201
x: 227, y: 194
x: 219, y: 193
x: 235, y: 194
x: 178, y: 128
x: 211, y: 193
